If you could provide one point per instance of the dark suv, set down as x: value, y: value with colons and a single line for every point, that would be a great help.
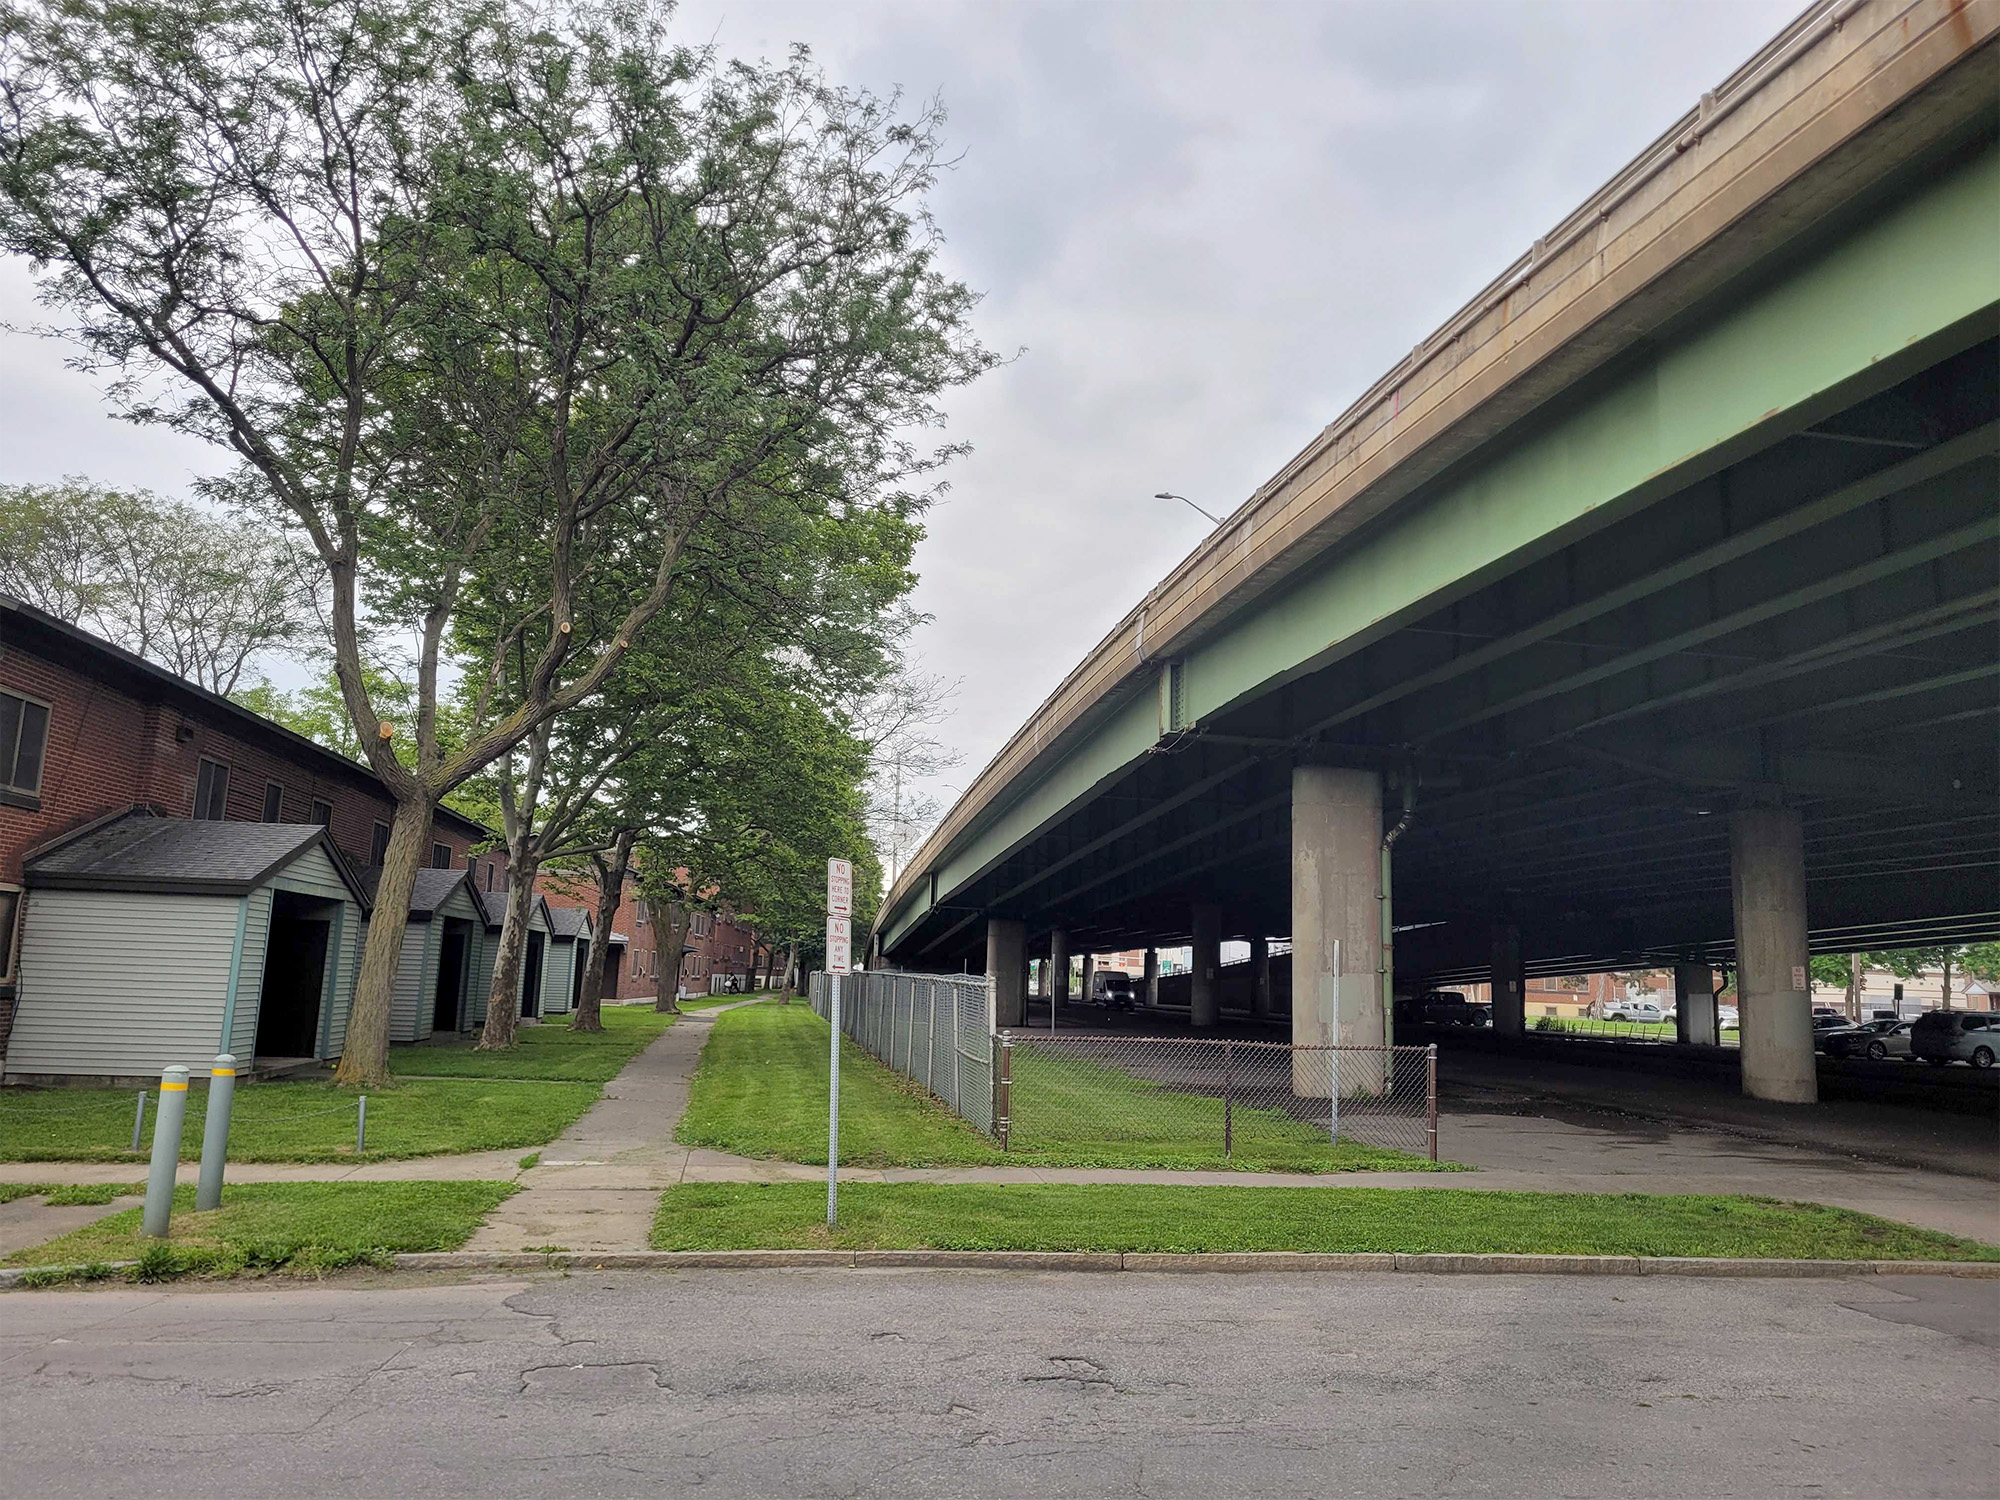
x: 1942, y: 1036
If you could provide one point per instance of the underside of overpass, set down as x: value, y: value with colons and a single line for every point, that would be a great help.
x: 1748, y: 568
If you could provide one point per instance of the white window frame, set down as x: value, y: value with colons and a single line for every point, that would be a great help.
x: 9, y: 935
x: 201, y: 815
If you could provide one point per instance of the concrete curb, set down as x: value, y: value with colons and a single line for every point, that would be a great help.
x: 1209, y: 1262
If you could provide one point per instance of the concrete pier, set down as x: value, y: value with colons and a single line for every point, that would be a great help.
x: 1767, y: 877
x: 1260, y: 976
x: 1694, y: 1005
x: 1206, y: 986
x: 1006, y: 961
x: 1510, y: 982
x: 1336, y: 921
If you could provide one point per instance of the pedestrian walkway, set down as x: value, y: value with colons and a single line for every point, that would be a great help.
x: 597, y: 1184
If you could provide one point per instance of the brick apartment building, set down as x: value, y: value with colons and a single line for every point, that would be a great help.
x: 717, y: 944
x: 89, y: 731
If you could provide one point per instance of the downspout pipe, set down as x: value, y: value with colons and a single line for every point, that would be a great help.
x: 1386, y: 969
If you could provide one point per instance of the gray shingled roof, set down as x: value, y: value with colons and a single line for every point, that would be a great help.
x: 434, y: 887
x: 568, y: 921
x: 138, y: 852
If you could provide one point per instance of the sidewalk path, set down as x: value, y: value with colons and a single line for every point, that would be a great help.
x: 598, y: 1183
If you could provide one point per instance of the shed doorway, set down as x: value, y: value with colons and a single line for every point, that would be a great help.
x: 576, y: 973
x: 453, y: 955
x: 294, y: 976
x: 531, y: 979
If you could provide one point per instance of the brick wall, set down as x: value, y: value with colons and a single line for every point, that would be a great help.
x: 723, y: 948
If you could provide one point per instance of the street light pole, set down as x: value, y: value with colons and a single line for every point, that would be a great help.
x: 1170, y: 495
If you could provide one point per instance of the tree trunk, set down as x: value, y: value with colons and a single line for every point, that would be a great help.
x: 671, y: 938
x: 1947, y: 982
x: 791, y: 974
x: 503, y: 999
x: 610, y: 885
x: 364, y: 1060
x: 1854, y: 986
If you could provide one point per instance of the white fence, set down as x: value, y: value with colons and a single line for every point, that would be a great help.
x: 936, y: 1029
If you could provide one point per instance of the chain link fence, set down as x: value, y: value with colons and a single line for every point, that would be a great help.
x: 1185, y: 1100
x: 935, y: 1029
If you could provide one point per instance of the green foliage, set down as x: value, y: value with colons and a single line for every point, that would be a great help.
x: 1832, y: 970
x: 1413, y: 1221
x: 200, y: 594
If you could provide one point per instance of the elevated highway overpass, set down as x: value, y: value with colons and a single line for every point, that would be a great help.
x: 1648, y: 612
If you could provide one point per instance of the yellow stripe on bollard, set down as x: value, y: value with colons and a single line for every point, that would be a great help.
x: 173, y: 1088
x: 221, y: 1072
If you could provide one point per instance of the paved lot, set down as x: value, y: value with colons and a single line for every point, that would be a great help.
x: 924, y: 1383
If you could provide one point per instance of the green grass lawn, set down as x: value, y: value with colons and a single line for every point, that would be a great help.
x: 304, y: 1228
x: 549, y: 1052
x: 740, y: 1216
x: 66, y: 1194
x: 761, y: 1091
x: 300, y: 1122
x: 711, y: 1002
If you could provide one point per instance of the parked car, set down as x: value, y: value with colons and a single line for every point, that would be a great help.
x: 1825, y: 1026
x: 1114, y: 991
x: 1441, y: 1008
x: 1829, y: 1012
x: 1942, y: 1036
x: 1635, y: 1010
x: 1877, y: 1039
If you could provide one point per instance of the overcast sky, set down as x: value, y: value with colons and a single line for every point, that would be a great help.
x: 1209, y: 226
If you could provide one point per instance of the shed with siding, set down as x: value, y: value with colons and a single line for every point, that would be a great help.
x: 534, y: 957
x: 434, y: 972
x: 150, y: 941
x: 570, y: 946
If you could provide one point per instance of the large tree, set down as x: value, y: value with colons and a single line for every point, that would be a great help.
x: 201, y: 594
x: 462, y: 283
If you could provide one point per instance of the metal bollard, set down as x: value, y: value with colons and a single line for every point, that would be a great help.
x: 138, y: 1120
x: 215, y: 1132
x: 167, y: 1120
x: 361, y: 1125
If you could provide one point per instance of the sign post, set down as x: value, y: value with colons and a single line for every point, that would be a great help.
x: 839, y: 961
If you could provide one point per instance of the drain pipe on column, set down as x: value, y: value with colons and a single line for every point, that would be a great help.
x: 1387, y: 962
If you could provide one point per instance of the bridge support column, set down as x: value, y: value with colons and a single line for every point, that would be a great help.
x: 1767, y: 876
x: 1260, y: 976
x: 1152, y: 978
x: 1006, y: 962
x: 1336, y: 891
x: 1694, y: 1005
x: 1205, y: 1005
x: 1058, y: 970
x: 1083, y: 994
x: 1510, y: 982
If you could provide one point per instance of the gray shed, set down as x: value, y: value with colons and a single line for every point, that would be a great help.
x: 531, y: 988
x: 440, y: 953
x: 150, y: 941
x: 570, y: 947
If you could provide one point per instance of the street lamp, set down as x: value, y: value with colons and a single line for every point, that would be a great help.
x: 1170, y: 495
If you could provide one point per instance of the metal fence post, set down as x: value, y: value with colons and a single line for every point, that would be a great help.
x: 166, y: 1152
x: 361, y: 1125
x: 1431, y: 1095
x: 215, y: 1132
x: 1228, y: 1099
x: 1003, y: 1087
x: 138, y: 1120
x: 833, y: 1105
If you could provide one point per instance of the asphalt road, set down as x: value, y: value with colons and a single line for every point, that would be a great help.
x: 981, y: 1383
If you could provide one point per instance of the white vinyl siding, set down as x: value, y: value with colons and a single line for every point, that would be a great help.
x: 484, y: 951
x: 561, y: 968
x: 122, y: 983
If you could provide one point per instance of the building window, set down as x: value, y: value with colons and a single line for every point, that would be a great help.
x: 274, y: 802
x: 10, y: 911
x: 440, y: 856
x: 378, y: 850
x: 641, y: 911
x: 489, y: 875
x: 24, y: 734
x: 211, y: 791
x: 322, y: 813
